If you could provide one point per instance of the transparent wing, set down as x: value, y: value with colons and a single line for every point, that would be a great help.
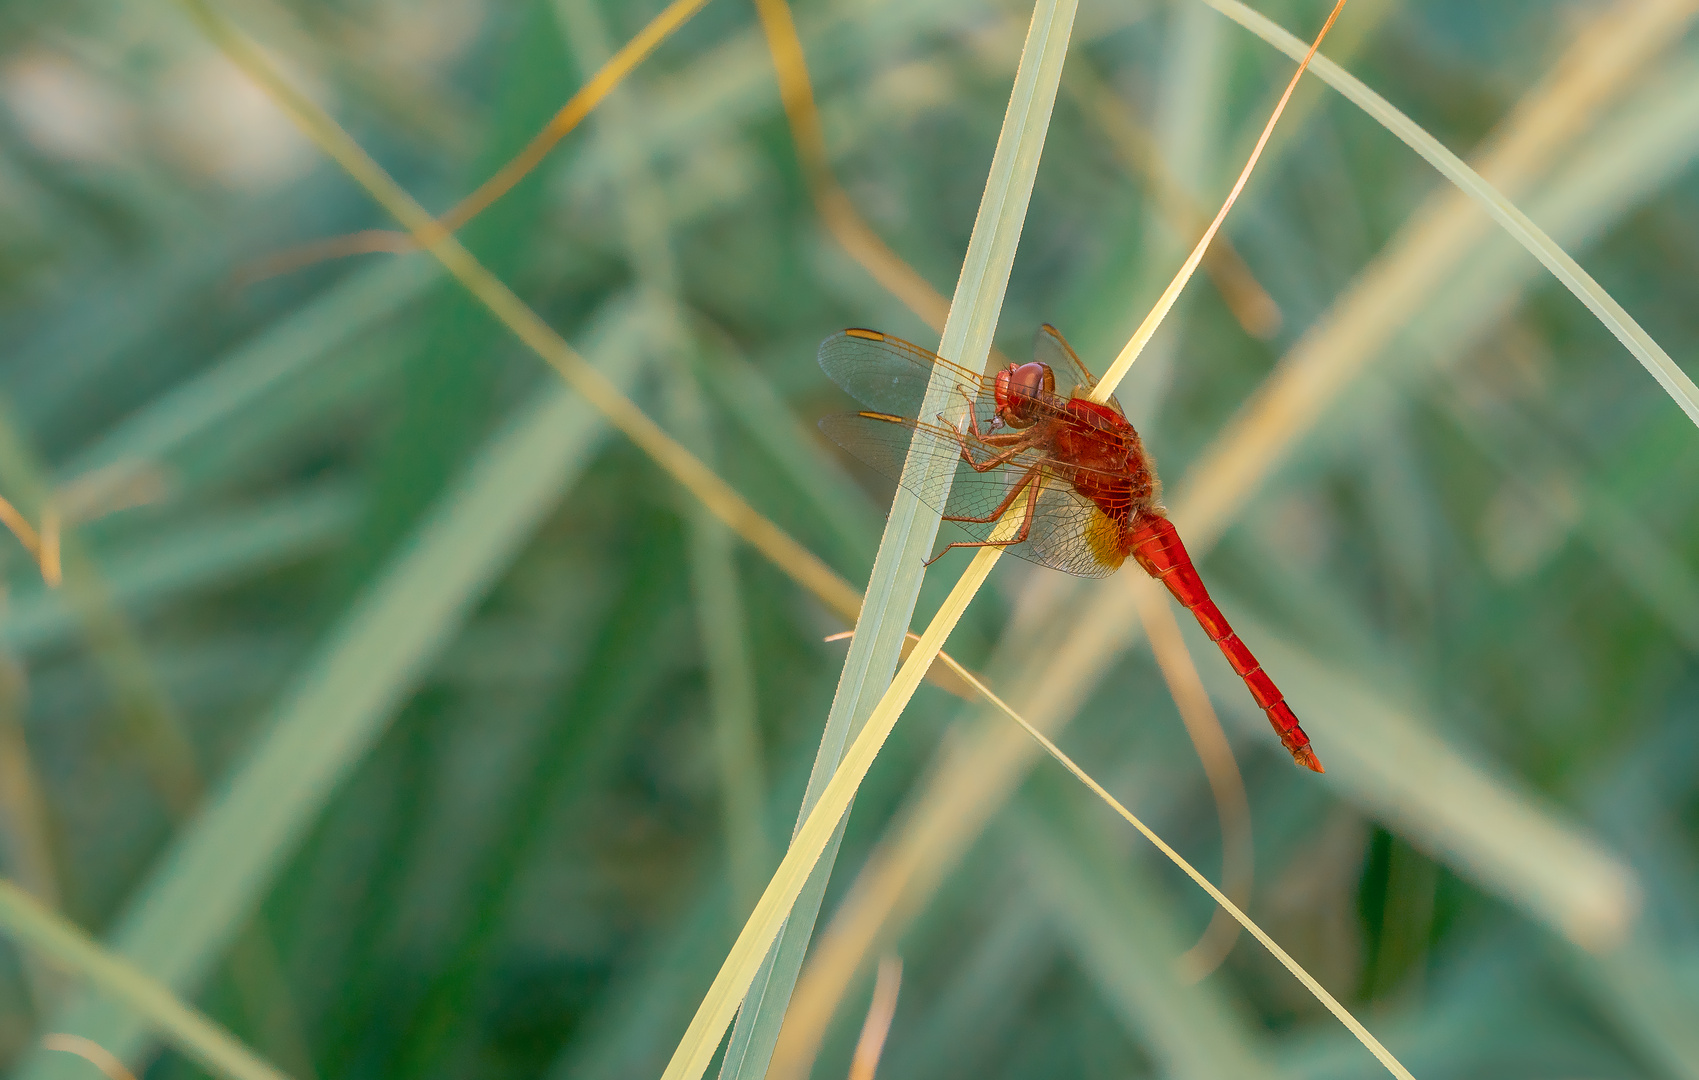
x: 889, y: 374
x: 1068, y: 532
x: 1072, y: 376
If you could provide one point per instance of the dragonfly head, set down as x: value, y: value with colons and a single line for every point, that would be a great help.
x: 1018, y: 390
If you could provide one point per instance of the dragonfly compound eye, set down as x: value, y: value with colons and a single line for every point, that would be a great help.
x: 1018, y: 388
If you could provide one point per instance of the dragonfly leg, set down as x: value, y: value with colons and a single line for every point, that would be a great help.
x: 1010, y: 439
x: 1014, y: 445
x: 1002, y: 507
x: 1018, y: 538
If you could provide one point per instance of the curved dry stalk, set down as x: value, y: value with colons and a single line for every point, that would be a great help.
x: 845, y: 223
x: 1164, y: 303
x: 841, y: 946
x: 43, y: 546
x: 1225, y: 784
x: 577, y: 107
x: 90, y: 1051
x: 880, y: 1012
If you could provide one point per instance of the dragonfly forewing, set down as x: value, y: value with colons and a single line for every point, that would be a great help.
x: 888, y: 374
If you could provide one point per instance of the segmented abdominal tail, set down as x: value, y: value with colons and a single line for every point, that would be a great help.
x: 1153, y: 541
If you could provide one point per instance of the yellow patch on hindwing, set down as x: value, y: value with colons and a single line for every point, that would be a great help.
x: 1103, y: 535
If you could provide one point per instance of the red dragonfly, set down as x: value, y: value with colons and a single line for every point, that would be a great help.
x: 1093, y: 496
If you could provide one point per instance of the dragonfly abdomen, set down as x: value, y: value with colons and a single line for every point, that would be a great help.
x: 1155, y: 544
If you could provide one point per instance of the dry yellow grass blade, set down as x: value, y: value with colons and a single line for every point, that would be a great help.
x: 1165, y: 303
x: 880, y: 1011
x: 702, y: 1037
x: 91, y: 1052
x: 1343, y: 1014
x: 577, y: 107
x: 912, y: 859
x: 714, y: 493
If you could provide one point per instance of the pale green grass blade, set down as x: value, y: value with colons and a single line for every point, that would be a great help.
x: 909, y: 534
x: 821, y: 829
x: 219, y: 867
x: 35, y: 927
x: 1651, y: 356
x: 196, y: 553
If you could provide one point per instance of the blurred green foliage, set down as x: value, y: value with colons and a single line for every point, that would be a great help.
x: 510, y: 856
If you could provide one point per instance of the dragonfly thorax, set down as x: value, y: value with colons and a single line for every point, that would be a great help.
x: 1018, y: 390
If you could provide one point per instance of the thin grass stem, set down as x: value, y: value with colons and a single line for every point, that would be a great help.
x: 1341, y: 1012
